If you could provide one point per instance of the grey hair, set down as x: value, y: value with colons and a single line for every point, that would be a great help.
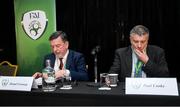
x: 139, y: 30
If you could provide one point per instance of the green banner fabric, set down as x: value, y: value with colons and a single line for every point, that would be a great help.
x: 35, y: 20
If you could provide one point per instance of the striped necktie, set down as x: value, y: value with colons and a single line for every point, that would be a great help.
x: 61, y: 64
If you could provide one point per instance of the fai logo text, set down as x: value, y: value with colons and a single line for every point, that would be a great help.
x: 34, y: 23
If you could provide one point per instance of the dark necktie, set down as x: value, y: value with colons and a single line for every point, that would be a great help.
x: 138, y: 69
x: 61, y: 64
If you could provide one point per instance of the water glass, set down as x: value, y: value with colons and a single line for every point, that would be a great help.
x: 66, y: 83
x: 104, y: 81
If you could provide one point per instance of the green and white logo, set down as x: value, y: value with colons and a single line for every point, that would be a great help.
x: 34, y: 23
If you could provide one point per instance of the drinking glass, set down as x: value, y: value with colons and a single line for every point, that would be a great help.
x: 66, y: 83
x: 104, y: 81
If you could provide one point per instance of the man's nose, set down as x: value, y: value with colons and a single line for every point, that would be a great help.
x: 139, y: 45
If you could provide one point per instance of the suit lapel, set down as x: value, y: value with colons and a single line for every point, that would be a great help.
x: 68, y: 59
x: 53, y: 60
x: 149, y: 54
x: 129, y: 61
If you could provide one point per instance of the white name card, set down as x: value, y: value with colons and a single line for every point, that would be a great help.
x: 16, y: 83
x: 152, y: 86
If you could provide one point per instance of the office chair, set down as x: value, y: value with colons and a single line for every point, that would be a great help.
x: 7, y: 69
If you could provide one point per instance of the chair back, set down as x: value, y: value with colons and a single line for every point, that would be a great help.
x: 7, y: 69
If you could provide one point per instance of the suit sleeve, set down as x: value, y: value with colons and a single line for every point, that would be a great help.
x: 80, y: 71
x: 115, y: 68
x: 158, y: 66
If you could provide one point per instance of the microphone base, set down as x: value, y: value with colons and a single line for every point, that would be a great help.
x: 93, y: 84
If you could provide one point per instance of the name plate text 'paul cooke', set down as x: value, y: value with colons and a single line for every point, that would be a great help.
x: 152, y: 86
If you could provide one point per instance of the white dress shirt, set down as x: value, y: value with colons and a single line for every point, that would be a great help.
x: 57, y: 64
x: 134, y: 61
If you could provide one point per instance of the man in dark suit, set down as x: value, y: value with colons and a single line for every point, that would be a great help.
x: 65, y: 61
x: 139, y: 59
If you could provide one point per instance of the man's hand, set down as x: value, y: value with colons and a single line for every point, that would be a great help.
x: 45, y: 75
x: 37, y: 75
x: 60, y: 74
x: 142, y: 55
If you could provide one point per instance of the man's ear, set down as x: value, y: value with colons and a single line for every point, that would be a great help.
x: 130, y: 39
x: 67, y: 44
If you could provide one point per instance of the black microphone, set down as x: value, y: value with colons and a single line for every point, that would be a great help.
x: 95, y: 50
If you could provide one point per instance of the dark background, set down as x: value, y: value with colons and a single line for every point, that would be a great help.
x: 105, y: 23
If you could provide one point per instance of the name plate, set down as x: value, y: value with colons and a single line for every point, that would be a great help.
x: 16, y: 83
x: 152, y: 86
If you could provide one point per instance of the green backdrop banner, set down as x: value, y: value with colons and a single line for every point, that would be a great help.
x: 35, y: 20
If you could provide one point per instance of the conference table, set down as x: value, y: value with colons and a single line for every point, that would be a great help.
x: 83, y: 94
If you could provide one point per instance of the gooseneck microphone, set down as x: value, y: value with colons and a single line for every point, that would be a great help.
x: 94, y: 52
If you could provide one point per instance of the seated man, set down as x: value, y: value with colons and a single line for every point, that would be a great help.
x: 139, y: 59
x: 63, y: 60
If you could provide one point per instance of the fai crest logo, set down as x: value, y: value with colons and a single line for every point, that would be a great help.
x: 5, y: 82
x: 136, y: 84
x: 34, y: 23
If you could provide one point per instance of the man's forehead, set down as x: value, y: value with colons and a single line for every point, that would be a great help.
x: 134, y: 34
x: 138, y: 37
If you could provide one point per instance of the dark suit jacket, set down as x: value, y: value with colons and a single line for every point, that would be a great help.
x: 75, y: 63
x: 155, y: 67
